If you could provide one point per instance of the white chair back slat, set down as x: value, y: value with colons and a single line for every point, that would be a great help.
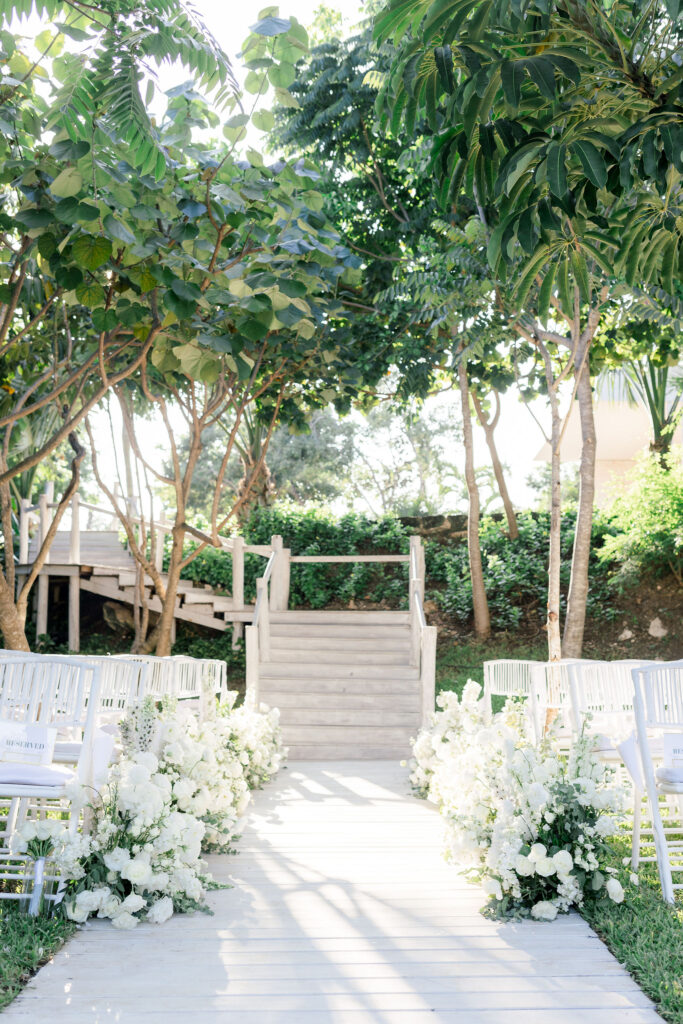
x: 658, y: 706
x: 603, y: 689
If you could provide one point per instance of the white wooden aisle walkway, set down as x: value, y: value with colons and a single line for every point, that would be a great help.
x: 343, y: 912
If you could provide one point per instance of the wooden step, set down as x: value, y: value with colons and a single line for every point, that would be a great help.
x: 326, y: 717
x: 340, y: 701
x: 301, y: 670
x: 313, y: 641
x: 332, y: 616
x: 335, y: 631
x: 347, y: 752
x: 316, y: 684
x: 360, y: 736
x: 347, y: 656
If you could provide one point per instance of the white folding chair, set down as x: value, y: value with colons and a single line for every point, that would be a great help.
x: 604, y: 690
x: 658, y: 705
x: 52, y: 698
x: 507, y: 677
x: 549, y: 697
x: 160, y: 679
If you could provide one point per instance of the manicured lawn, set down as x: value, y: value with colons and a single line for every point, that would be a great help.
x: 646, y: 935
x: 26, y: 943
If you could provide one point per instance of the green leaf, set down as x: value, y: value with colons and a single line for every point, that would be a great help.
x: 31, y: 219
x: 104, y: 320
x: 668, y: 262
x: 186, y: 290
x: 512, y: 76
x: 581, y: 275
x: 68, y: 183
x: 542, y: 74
x: 443, y: 55
x: 557, y: 172
x: 271, y: 26
x: 115, y: 229
x: 529, y: 274
x: 89, y: 293
x: 91, y: 251
x: 545, y: 293
x: 592, y: 161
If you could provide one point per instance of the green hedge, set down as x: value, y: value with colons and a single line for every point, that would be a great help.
x: 515, y: 571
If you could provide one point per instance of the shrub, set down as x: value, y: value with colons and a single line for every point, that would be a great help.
x: 516, y: 572
x: 647, y: 522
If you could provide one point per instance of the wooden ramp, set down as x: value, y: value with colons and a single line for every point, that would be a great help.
x: 343, y: 912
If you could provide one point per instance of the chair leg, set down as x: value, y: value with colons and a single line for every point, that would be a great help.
x: 637, y: 815
x: 662, y: 851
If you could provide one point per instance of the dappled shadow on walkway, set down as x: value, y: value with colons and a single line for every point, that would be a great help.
x: 342, y: 911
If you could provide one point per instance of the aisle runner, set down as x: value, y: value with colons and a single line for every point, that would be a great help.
x: 344, y: 912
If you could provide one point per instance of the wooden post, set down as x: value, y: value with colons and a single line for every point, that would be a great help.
x: 23, y: 530
x: 75, y: 538
x: 428, y: 673
x: 279, y: 582
x: 264, y: 619
x: 44, y: 577
x: 75, y: 610
x: 413, y: 591
x: 252, y: 652
x: 237, y: 587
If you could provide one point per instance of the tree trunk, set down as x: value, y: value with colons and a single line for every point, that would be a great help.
x: 482, y: 620
x: 578, y: 587
x: 12, y: 622
x: 489, y: 427
x: 160, y: 638
x: 554, y: 546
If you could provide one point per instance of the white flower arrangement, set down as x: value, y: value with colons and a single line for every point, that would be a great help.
x: 142, y: 858
x: 180, y: 787
x: 212, y: 765
x: 529, y: 824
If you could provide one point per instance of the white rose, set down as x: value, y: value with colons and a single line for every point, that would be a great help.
x: 133, y: 902
x: 137, y: 871
x: 160, y: 911
x: 615, y: 890
x: 633, y: 878
x: 544, y: 911
x: 77, y: 914
x: 545, y: 866
x: 116, y: 859
x: 148, y: 760
x: 537, y: 851
x: 90, y: 900
x: 524, y: 866
x: 125, y: 921
x: 491, y: 887
x: 563, y: 862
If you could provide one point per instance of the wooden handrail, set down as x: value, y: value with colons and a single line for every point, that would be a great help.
x: 350, y: 558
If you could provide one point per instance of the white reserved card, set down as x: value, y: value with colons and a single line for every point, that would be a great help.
x: 27, y: 744
x: 673, y: 749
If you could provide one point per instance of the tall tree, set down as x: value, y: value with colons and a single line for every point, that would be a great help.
x: 570, y: 190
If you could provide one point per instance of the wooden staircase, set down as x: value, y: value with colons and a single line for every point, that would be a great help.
x: 343, y: 682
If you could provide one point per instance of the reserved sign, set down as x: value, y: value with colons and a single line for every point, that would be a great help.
x: 673, y: 749
x: 26, y: 744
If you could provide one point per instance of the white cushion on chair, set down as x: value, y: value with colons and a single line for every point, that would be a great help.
x: 670, y: 776
x: 12, y: 773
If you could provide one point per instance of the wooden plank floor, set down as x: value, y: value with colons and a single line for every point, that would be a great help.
x: 342, y: 912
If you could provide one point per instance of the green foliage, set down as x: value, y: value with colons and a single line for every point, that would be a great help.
x: 562, y: 120
x: 647, y: 522
x: 515, y: 572
x: 99, y: 59
x: 26, y: 943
